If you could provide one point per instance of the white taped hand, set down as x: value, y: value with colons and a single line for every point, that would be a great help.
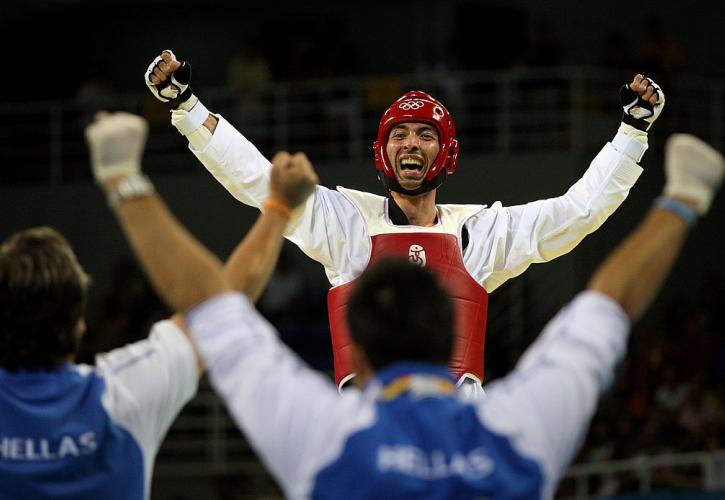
x: 116, y: 142
x: 694, y: 170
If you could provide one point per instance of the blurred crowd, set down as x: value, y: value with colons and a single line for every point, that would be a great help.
x: 669, y: 396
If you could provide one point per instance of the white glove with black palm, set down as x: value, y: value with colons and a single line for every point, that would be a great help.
x: 175, y: 86
x: 639, y: 112
x: 169, y: 80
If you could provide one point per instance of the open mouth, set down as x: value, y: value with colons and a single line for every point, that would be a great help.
x: 411, y: 166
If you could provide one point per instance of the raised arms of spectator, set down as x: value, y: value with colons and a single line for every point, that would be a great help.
x: 634, y: 272
x: 253, y: 261
x: 561, y: 376
x: 242, y: 350
x: 182, y: 271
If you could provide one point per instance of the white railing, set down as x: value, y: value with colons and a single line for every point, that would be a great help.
x: 701, y: 471
x: 496, y: 112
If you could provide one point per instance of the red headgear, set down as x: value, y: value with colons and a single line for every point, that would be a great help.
x: 418, y: 107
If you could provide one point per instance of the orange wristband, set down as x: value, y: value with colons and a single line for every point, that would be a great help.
x: 277, y: 205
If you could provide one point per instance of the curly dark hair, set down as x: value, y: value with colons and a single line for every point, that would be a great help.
x: 43, y: 293
x: 401, y: 312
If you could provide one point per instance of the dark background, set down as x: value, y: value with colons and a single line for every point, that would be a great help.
x: 51, y: 47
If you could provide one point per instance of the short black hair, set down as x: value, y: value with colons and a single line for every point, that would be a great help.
x: 43, y: 292
x: 399, y: 311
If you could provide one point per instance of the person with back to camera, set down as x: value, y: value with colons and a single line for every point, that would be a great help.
x: 71, y: 431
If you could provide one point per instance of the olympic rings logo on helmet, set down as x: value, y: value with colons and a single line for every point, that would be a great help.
x: 417, y: 106
x: 411, y: 104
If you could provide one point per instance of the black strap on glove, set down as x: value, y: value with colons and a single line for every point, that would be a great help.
x: 638, y: 113
x: 179, y: 80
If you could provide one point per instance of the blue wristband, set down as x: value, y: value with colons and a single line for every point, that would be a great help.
x: 677, y: 207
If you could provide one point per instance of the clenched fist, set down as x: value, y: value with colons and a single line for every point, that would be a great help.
x: 642, y: 100
x: 169, y: 79
x: 292, y: 179
x: 694, y: 170
x: 116, y: 142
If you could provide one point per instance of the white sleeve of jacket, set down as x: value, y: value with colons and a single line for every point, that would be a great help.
x: 290, y: 414
x: 547, y: 402
x: 147, y: 384
x: 327, y: 227
x: 505, y: 241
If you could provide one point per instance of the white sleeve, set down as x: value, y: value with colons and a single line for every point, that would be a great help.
x: 505, y: 241
x: 285, y: 409
x: 236, y: 164
x: 148, y: 382
x: 322, y: 228
x: 546, y: 403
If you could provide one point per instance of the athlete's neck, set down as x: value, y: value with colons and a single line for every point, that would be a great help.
x: 420, y: 209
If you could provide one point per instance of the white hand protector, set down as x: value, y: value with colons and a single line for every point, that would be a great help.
x: 176, y: 89
x: 116, y: 142
x: 638, y: 112
x: 694, y: 170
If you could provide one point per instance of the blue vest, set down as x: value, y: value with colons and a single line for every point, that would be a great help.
x: 57, y: 440
x: 427, y: 444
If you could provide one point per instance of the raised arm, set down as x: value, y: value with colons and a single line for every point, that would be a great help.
x: 253, y: 261
x: 634, y: 272
x: 182, y: 271
x: 561, y: 376
x: 546, y: 229
x: 169, y: 80
x: 282, y: 405
x: 245, y: 173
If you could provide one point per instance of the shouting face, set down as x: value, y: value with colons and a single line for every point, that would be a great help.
x: 411, y: 150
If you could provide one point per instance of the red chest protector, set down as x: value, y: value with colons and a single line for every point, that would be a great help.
x: 442, y: 254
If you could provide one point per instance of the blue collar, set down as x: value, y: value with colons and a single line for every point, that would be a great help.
x: 24, y: 374
x: 390, y: 373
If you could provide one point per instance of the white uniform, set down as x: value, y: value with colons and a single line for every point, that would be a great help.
x: 424, y: 441
x: 81, y: 432
x: 503, y: 241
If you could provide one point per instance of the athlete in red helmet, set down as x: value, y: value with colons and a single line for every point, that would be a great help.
x: 473, y: 248
x: 415, y: 112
